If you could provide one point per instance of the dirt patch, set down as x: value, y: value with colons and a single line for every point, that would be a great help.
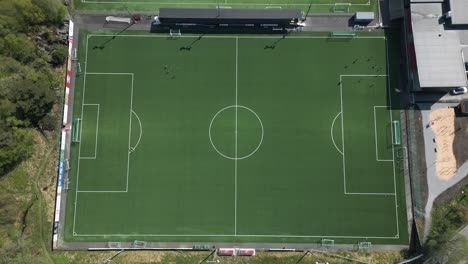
x: 461, y: 138
x: 442, y: 122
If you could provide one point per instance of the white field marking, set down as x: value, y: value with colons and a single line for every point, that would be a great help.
x: 210, y: 3
x: 393, y: 147
x: 213, y: 235
x: 383, y: 194
x: 79, y: 151
x: 331, y: 133
x: 231, y: 235
x: 109, y: 73
x: 224, y: 155
x: 391, y: 119
x: 376, y: 141
x: 342, y: 125
x: 235, y: 148
x: 342, y: 134
x: 129, y: 133
x: 141, y: 130
x: 81, y: 130
x: 102, y: 191
x: 232, y: 37
x: 97, y: 131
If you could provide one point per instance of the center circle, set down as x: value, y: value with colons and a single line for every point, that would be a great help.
x: 236, y: 132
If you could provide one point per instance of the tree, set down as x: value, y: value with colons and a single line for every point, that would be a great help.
x: 59, y: 55
x: 15, y: 141
x: 53, y: 10
x: 33, y: 99
x: 19, y: 47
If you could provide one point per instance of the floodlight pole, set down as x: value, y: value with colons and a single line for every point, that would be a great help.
x: 126, y: 8
x: 308, y: 10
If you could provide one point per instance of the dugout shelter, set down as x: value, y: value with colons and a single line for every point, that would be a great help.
x: 220, y: 19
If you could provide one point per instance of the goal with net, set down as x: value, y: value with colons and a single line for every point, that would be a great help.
x: 139, y: 244
x: 341, y: 7
x: 396, y: 132
x: 328, y: 243
x: 76, y: 130
x: 174, y: 33
x: 342, y: 34
x: 78, y: 67
x: 364, y: 245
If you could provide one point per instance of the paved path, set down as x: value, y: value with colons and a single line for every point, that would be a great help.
x: 464, y: 231
x: 314, y: 22
x: 436, y: 186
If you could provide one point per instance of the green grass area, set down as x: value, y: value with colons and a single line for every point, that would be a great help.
x: 235, y: 138
x: 320, y: 6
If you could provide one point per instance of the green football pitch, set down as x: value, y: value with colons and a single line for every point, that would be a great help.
x: 315, y: 5
x: 235, y: 138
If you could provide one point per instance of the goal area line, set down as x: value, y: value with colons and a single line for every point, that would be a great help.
x: 96, y: 133
x: 375, y: 134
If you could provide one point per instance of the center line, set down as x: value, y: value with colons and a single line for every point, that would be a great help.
x: 235, y: 150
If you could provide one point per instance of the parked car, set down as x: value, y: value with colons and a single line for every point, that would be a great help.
x: 459, y: 90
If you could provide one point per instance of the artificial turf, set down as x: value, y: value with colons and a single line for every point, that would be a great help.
x: 175, y: 160
x: 306, y: 5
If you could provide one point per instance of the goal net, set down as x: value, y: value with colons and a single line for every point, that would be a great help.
x: 364, y: 245
x: 396, y: 132
x: 76, y: 130
x: 139, y: 244
x: 174, y: 33
x: 328, y: 243
x: 75, y: 54
x: 341, y: 7
x: 114, y: 245
x: 342, y: 34
x: 78, y: 67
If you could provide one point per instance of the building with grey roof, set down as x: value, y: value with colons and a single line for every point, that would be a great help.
x: 439, y: 59
x: 459, y: 12
x: 438, y: 43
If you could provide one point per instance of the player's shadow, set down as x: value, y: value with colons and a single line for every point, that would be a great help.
x: 272, y: 46
x: 103, y: 44
x: 190, y: 45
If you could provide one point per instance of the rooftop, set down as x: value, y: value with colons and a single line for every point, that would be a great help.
x: 425, y: 17
x: 459, y: 9
x: 222, y: 13
x: 427, y: 1
x: 439, y: 59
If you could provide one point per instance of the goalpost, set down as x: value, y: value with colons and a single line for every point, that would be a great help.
x: 341, y: 7
x: 396, y: 132
x: 328, y: 243
x: 364, y: 245
x: 138, y: 244
x: 76, y: 130
x: 174, y: 33
x: 78, y: 68
x: 75, y: 55
x: 342, y: 34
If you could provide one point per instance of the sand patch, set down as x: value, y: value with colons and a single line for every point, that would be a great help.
x: 442, y: 122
